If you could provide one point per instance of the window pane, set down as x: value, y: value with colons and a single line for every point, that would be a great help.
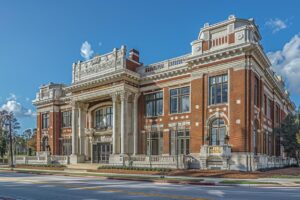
x: 212, y: 95
x: 149, y: 108
x: 213, y: 80
x: 185, y: 104
x: 218, y: 93
x: 214, y: 136
x: 225, y: 78
x: 222, y: 132
x: 159, y: 107
x: 174, y: 105
x: 186, y: 90
x: 159, y: 95
x: 224, y: 93
x: 173, y: 92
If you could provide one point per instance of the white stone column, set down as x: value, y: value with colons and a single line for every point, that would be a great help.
x: 135, y: 124
x: 123, y: 98
x: 74, y: 127
x: 82, y: 124
x: 114, y: 131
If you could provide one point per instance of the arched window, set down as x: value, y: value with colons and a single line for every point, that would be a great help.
x: 103, y: 118
x: 217, y: 132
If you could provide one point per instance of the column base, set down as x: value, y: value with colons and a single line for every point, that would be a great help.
x: 74, y: 159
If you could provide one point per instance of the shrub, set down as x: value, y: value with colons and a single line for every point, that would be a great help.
x: 135, y: 168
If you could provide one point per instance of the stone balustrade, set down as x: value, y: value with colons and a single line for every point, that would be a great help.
x: 162, y: 66
x: 155, y: 161
x: 99, y: 65
x: 42, y: 158
x: 221, y: 151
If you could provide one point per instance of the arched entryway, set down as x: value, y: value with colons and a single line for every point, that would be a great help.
x: 217, y: 132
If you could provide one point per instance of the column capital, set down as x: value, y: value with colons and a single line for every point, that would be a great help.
x: 124, y: 95
x: 74, y: 104
x: 114, y: 96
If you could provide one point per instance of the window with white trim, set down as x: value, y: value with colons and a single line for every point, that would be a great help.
x: 180, y: 100
x: 218, y: 89
x: 154, y: 104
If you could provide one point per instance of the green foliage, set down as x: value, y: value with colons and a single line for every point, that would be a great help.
x: 135, y: 168
x: 43, y: 165
x: 288, y: 132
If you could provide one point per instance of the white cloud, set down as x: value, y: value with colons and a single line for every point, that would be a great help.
x: 12, y: 105
x: 276, y: 24
x: 11, y: 97
x: 286, y: 62
x: 86, y: 50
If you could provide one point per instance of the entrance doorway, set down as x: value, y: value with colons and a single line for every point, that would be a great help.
x: 101, y: 152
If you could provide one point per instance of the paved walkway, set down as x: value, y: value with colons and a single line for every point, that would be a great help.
x: 202, y: 180
x: 24, y: 186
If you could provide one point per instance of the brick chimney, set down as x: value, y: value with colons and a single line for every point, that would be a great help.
x: 134, y: 55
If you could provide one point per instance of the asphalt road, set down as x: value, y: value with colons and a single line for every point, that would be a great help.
x: 42, y: 187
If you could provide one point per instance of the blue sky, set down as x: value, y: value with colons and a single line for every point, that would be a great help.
x: 39, y: 40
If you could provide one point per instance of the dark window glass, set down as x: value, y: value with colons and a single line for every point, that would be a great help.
x: 45, y: 120
x: 103, y: 118
x: 180, y: 100
x: 154, y: 104
x: 66, y: 119
x: 154, y: 143
x: 180, y: 142
x: 217, y: 132
x: 218, y: 89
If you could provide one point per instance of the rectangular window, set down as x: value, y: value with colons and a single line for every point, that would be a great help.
x: 154, y: 104
x: 65, y: 146
x: 45, y: 120
x: 256, y: 91
x: 103, y: 118
x: 180, y: 142
x: 66, y: 119
x: 154, y: 143
x: 218, y: 89
x: 180, y: 100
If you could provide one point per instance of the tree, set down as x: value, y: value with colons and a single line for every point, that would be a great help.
x: 32, y: 142
x: 28, y: 135
x: 3, y: 145
x: 8, y: 125
x: 288, y: 133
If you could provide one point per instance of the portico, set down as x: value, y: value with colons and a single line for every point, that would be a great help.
x: 104, y: 123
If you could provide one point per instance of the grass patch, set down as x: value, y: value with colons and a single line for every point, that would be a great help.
x: 245, y: 182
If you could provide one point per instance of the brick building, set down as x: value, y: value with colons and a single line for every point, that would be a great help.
x: 215, y: 107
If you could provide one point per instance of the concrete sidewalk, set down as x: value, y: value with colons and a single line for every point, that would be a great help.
x: 260, y: 182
